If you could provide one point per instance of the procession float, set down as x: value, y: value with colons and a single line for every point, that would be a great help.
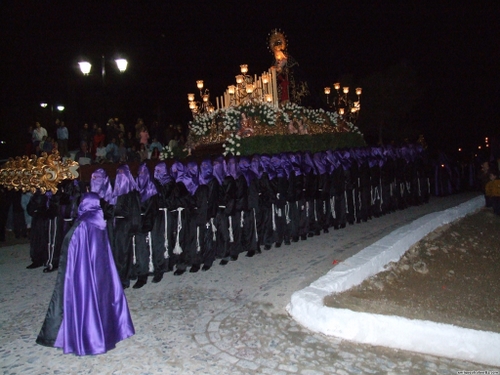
x: 271, y: 113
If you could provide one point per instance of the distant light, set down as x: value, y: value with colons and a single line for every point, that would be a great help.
x: 3, y: 143
x: 459, y: 149
x: 85, y: 67
x: 486, y: 139
x: 479, y: 147
x: 442, y: 165
x: 43, y: 105
x: 122, y: 64
x: 60, y: 108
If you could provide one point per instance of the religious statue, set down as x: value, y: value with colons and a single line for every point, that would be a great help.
x: 289, y: 87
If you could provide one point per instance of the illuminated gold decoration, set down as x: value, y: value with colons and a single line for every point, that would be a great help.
x: 43, y: 173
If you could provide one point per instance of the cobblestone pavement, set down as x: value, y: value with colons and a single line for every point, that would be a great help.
x: 228, y: 320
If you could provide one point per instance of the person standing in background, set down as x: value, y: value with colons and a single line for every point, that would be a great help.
x: 38, y: 133
x: 62, y: 139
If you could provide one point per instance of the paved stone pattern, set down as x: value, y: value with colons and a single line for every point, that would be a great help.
x: 229, y: 320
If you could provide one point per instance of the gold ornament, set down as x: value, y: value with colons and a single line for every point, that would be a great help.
x: 43, y: 173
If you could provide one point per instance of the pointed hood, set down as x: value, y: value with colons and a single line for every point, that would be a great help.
x: 100, y: 184
x: 162, y: 174
x: 219, y: 165
x: 145, y: 185
x: 124, y: 182
x: 256, y: 166
x: 90, y: 210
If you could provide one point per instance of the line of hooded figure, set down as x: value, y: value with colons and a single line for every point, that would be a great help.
x: 192, y: 214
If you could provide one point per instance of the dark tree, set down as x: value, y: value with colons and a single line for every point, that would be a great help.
x: 388, y: 103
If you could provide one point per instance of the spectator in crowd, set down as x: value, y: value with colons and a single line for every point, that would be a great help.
x: 83, y: 157
x: 100, y: 153
x: 144, y: 136
x: 132, y: 154
x: 492, y: 189
x: 112, y: 153
x: 46, y: 145
x: 174, y: 142
x: 143, y: 152
x: 155, y: 144
x: 98, y: 138
x: 155, y: 154
x: 170, y: 133
x: 92, y: 146
x: 483, y: 178
x: 62, y: 139
x: 138, y: 127
x: 84, y: 134
x: 129, y: 141
x: 111, y: 129
x: 122, y: 151
x: 38, y: 133
x: 154, y: 130
x: 182, y: 134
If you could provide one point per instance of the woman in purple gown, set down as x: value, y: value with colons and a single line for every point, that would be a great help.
x: 88, y: 312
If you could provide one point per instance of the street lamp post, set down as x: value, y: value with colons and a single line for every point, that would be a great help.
x: 86, y: 67
x: 51, y: 108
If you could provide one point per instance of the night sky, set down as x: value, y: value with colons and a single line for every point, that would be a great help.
x: 453, y: 48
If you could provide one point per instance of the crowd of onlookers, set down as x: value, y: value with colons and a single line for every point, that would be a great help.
x: 111, y: 143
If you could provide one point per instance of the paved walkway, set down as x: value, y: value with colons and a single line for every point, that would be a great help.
x: 229, y: 320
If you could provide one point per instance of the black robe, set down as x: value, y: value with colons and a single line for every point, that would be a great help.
x: 127, y: 223
x: 162, y: 231
x: 38, y: 209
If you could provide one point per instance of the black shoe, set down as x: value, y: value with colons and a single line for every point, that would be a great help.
x: 326, y: 230
x: 49, y: 269
x: 126, y: 285
x: 295, y: 239
x: 179, y: 272
x: 141, y: 281
x: 223, y: 262
x: 205, y: 267
x: 310, y: 234
x: 303, y: 237
x: 250, y: 254
x: 234, y: 258
x: 34, y: 265
x: 277, y: 244
x: 288, y: 243
x: 259, y: 251
x: 157, y: 278
x: 267, y: 247
x: 194, y: 269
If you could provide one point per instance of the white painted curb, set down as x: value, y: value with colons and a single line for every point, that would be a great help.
x: 307, y: 305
